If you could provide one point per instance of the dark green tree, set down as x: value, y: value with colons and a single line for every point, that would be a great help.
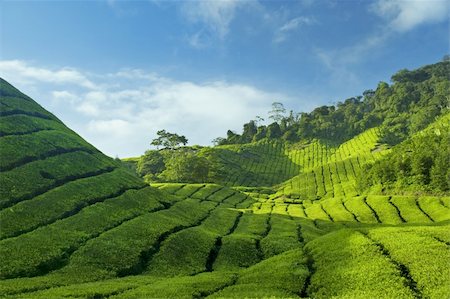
x: 150, y: 163
x: 260, y: 133
x: 186, y: 166
x: 249, y: 131
x: 168, y: 140
x: 274, y: 131
x: 440, y: 173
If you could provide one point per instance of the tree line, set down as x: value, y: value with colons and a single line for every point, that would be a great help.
x: 407, y: 106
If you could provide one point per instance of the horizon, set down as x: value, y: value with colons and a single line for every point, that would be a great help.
x: 117, y: 72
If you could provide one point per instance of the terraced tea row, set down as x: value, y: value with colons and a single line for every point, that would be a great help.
x: 329, y: 171
x: 259, y: 164
x: 46, y: 208
x: 350, y: 263
x: 369, y: 209
x: 380, y: 263
x: 53, y: 244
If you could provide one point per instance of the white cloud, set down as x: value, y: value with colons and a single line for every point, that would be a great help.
x: 26, y: 73
x: 404, y: 15
x: 64, y: 96
x: 292, y: 25
x: 123, y: 113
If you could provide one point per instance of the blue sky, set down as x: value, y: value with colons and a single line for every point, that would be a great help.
x: 118, y: 71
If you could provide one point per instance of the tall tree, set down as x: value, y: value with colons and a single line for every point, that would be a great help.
x: 277, y: 112
x: 168, y: 140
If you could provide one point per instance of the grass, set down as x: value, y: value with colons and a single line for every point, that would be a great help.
x: 281, y: 237
x: 282, y: 276
x: 349, y: 265
x: 335, y: 208
x: 77, y: 194
x: 358, y: 207
x: 407, y: 246
x: 409, y: 209
x: 239, y: 249
x: 433, y: 207
x: 125, y: 249
x: 263, y: 163
x: 52, y: 243
x: 140, y: 287
x: 386, y: 211
x: 192, y: 250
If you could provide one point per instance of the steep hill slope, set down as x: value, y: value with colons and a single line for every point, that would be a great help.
x: 57, y: 191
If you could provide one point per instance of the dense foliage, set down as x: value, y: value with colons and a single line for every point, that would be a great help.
x: 412, y: 102
x: 418, y: 164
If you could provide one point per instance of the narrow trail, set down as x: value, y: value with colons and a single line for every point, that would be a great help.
x: 372, y: 210
x: 63, y: 259
x: 328, y: 215
x: 218, y: 244
x: 43, y: 156
x: 27, y: 113
x: 303, y: 293
x: 78, y: 208
x: 4, y: 134
x: 397, y: 209
x: 57, y: 183
x: 350, y: 212
x: 420, y: 209
x: 264, y: 234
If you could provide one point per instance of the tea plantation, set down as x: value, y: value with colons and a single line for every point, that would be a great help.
x: 283, y: 220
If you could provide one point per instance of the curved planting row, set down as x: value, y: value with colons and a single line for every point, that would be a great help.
x: 53, y: 244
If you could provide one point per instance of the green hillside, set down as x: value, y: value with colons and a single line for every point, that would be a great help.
x: 273, y: 218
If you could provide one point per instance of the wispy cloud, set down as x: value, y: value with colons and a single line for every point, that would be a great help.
x: 282, y: 33
x: 198, y: 40
x: 122, y: 114
x: 397, y: 16
x: 403, y: 15
x: 213, y: 19
x: 215, y: 15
